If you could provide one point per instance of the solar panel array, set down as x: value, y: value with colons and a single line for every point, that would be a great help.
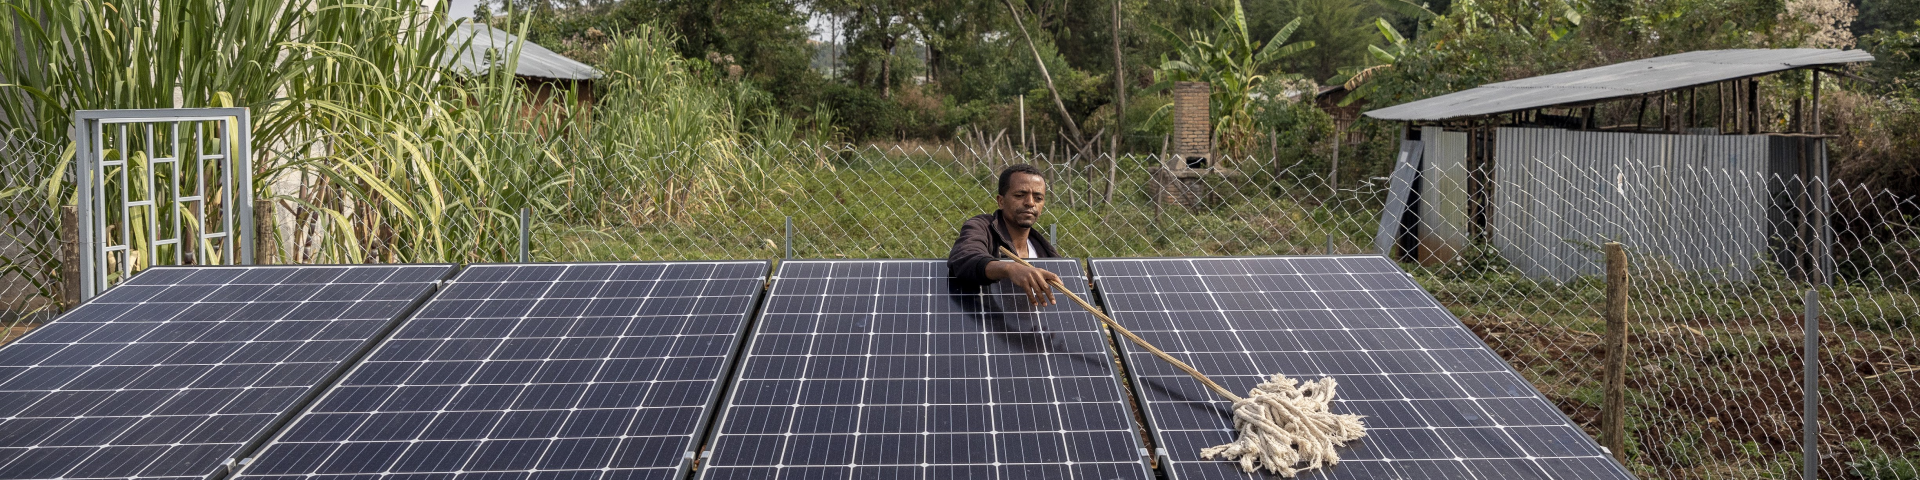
x: 883, y: 369
x: 574, y: 371
x: 856, y: 369
x: 1439, y: 403
x: 178, y: 370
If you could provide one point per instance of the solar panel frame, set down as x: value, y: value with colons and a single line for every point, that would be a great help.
x: 1172, y: 467
x: 701, y: 421
x: 1077, y: 280
x: 285, y: 413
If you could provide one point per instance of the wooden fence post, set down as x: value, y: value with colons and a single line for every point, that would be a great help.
x: 1613, y: 412
x: 69, y: 258
x: 266, y: 238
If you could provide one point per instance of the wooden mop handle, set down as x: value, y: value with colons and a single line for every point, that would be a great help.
x: 1130, y: 336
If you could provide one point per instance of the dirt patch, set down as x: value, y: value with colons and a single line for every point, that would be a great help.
x: 1709, y: 400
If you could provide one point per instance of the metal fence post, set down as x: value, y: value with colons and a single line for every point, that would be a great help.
x: 525, y: 237
x: 1810, y: 389
x: 789, y: 243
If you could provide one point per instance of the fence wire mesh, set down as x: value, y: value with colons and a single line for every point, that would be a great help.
x: 1721, y: 259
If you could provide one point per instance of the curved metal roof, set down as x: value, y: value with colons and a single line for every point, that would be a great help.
x: 1614, y: 81
x: 535, y: 60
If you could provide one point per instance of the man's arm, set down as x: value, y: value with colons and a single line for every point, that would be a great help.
x: 972, y: 261
x: 972, y: 253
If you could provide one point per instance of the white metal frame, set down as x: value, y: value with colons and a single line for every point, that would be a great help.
x: 106, y: 139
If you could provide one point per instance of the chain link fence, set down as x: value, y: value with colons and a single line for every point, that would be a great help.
x: 1721, y: 260
x: 32, y: 281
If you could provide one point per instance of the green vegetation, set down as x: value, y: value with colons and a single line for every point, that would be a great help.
x: 714, y: 123
x: 851, y: 206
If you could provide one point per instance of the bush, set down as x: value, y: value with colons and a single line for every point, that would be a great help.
x: 862, y: 112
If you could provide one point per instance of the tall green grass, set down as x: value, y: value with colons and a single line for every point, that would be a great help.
x: 68, y: 55
x: 368, y: 146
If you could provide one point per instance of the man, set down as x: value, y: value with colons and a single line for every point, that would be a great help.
x: 1023, y: 193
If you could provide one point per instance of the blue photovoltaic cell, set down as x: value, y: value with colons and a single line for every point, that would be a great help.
x: 562, y: 371
x: 1439, y: 403
x: 178, y: 370
x: 884, y: 370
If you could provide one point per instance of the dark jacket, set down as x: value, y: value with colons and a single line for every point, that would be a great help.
x: 979, y: 244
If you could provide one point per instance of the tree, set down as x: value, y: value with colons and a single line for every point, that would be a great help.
x: 1341, y: 31
x: 1355, y: 79
x: 1235, y: 65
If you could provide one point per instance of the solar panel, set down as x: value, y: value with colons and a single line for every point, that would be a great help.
x: 1439, y: 403
x: 882, y: 369
x: 539, y: 370
x: 180, y: 369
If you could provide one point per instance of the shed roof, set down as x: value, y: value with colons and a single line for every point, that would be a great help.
x: 1618, y: 80
x: 535, y: 60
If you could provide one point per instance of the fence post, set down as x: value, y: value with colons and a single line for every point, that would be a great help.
x: 789, y: 243
x: 1333, y: 171
x: 69, y: 257
x: 1810, y: 389
x: 265, y: 242
x: 1613, y: 413
x: 525, y: 226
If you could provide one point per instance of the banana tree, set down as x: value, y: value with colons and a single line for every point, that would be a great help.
x: 1234, y: 63
x: 1355, y: 79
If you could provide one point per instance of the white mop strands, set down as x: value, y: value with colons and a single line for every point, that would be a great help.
x: 1283, y: 423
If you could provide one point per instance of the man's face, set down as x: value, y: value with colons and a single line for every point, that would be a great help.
x: 1026, y: 195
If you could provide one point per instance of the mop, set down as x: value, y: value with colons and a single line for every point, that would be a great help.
x: 1282, y: 422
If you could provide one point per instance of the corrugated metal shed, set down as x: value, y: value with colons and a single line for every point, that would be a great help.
x: 1615, y: 81
x: 1712, y: 205
x: 535, y: 60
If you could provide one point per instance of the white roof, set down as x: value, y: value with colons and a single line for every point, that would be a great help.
x: 1618, y: 80
x: 535, y: 60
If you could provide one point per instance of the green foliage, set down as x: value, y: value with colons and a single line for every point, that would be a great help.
x: 1302, y: 133
x: 1896, y: 63
x: 1235, y: 65
x: 765, y: 37
x: 1341, y: 31
x: 1885, y: 15
x: 1871, y: 462
x: 1356, y: 78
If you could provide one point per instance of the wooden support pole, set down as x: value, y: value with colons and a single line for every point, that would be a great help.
x: 1664, y: 124
x: 1816, y: 102
x: 1613, y: 413
x: 1693, y: 109
x: 1333, y: 171
x: 266, y: 242
x: 69, y: 258
x: 1640, y: 118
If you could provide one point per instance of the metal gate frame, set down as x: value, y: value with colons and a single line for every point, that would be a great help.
x: 233, y: 161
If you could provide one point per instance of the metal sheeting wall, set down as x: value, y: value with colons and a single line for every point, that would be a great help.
x: 1559, y: 194
x: 1443, y: 194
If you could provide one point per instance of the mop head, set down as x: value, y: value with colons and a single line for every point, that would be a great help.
x: 1283, y: 423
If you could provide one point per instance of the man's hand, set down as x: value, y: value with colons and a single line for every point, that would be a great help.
x: 1037, y: 282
